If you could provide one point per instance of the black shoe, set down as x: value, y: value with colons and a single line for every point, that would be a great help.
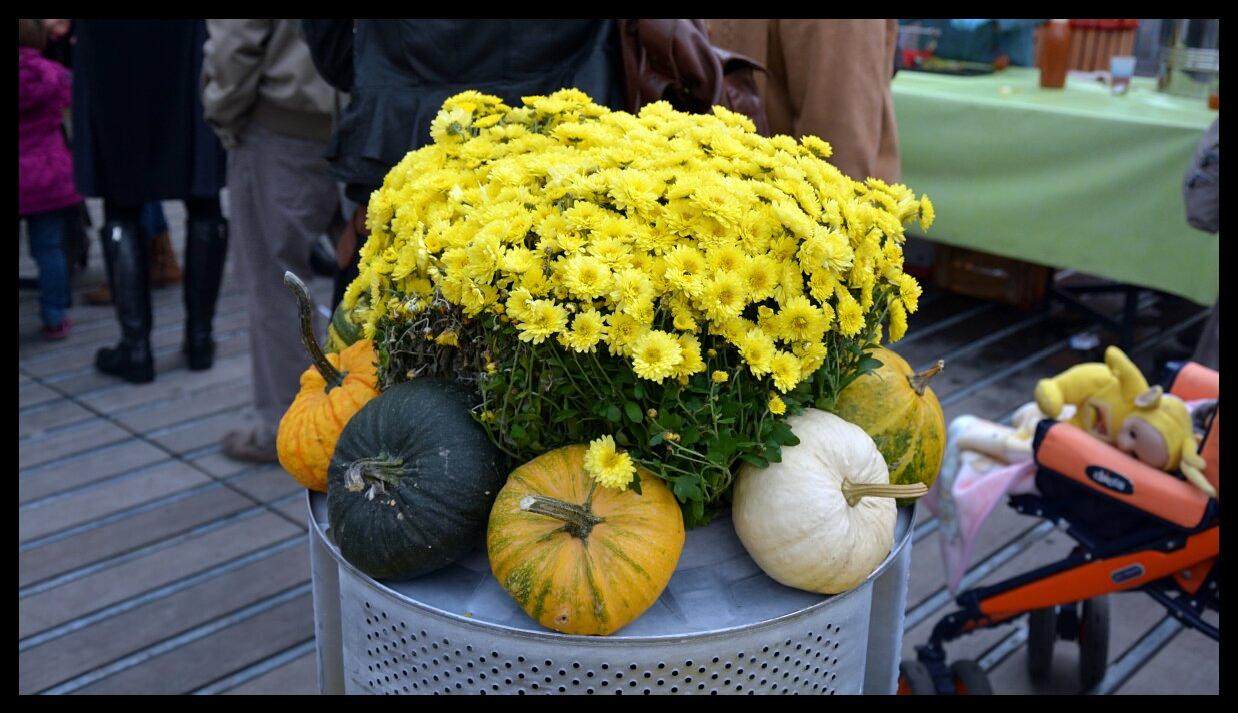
x: 131, y: 362
x: 128, y: 263
x: 206, y: 252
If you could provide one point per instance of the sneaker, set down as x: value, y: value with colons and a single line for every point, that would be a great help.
x: 55, y: 334
x: 245, y: 446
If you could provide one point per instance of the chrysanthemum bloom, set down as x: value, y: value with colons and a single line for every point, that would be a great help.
x: 655, y: 355
x: 776, y: 406
x: 541, y: 319
x: 607, y: 466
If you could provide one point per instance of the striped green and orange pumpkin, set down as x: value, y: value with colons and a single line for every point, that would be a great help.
x: 895, y: 406
x: 580, y: 558
x: 333, y: 388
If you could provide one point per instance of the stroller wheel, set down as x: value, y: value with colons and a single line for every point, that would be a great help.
x: 914, y: 679
x: 1094, y: 641
x: 1041, y: 634
x: 970, y: 679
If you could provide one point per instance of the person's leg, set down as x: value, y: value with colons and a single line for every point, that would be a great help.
x: 164, y: 270
x: 206, y: 253
x: 281, y: 199
x: 46, y: 231
x: 127, y: 256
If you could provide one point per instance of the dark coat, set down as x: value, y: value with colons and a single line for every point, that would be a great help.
x: 138, y: 131
x: 402, y: 71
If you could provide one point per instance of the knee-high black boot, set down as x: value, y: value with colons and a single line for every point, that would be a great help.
x: 206, y: 253
x: 128, y: 262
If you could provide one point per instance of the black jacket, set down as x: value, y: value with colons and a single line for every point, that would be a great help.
x: 399, y: 72
x: 138, y: 131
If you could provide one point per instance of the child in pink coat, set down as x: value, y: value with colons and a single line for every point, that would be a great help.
x: 45, y: 188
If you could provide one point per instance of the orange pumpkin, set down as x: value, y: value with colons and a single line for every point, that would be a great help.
x: 580, y: 558
x: 334, y: 388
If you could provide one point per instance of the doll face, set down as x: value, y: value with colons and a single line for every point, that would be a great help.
x: 1141, y: 440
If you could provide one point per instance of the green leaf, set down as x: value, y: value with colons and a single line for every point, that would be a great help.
x: 635, y: 483
x: 633, y: 411
x: 656, y: 438
x: 613, y: 414
x: 638, y: 391
x: 756, y: 460
x: 687, y: 489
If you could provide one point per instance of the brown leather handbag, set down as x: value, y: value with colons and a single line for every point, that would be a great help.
x: 673, y: 60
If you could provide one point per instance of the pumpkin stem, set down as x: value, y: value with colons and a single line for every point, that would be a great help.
x: 330, y: 374
x: 579, y: 519
x: 378, y: 471
x: 920, y: 381
x: 854, y: 491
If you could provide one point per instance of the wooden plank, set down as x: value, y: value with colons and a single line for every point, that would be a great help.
x: 100, y: 589
x: 187, y: 437
x: 205, y: 504
x: 48, y: 416
x: 190, y: 407
x: 1188, y: 664
x: 31, y: 394
x: 189, y: 667
x: 94, y: 646
x: 67, y: 442
x: 235, y: 369
x: 64, y: 511
x: 85, y: 468
x: 268, y: 484
x: 300, y: 677
x: 169, y: 363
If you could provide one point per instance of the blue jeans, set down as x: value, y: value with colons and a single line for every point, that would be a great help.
x: 46, y: 232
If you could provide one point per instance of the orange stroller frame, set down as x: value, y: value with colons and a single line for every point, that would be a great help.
x: 1136, y: 528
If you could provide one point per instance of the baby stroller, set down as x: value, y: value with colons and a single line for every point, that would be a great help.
x: 1136, y: 528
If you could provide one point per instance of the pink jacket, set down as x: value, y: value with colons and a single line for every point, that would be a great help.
x: 44, y: 165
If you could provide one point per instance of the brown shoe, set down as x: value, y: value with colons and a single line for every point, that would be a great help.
x: 100, y: 296
x: 246, y: 446
x: 164, y: 270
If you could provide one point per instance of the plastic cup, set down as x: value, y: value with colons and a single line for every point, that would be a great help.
x: 1121, y: 69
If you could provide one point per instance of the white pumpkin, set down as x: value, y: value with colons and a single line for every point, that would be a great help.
x: 823, y: 518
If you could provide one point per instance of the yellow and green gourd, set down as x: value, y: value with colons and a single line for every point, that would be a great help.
x: 895, y: 406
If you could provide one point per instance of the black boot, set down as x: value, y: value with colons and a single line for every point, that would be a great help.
x: 128, y: 261
x: 206, y: 252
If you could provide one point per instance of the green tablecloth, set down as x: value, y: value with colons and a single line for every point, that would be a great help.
x: 1071, y: 178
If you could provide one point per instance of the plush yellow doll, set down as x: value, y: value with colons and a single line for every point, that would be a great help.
x: 1103, y: 394
x: 1158, y: 432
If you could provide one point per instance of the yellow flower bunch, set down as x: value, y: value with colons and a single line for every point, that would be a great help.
x: 638, y: 237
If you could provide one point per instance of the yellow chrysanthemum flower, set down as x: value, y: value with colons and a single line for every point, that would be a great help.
x: 719, y: 377
x: 622, y: 331
x: 776, y: 405
x: 785, y: 370
x: 541, y: 319
x: 909, y: 292
x: 927, y: 214
x: 586, y: 277
x: 606, y: 465
x: 758, y: 350
x: 655, y: 355
x: 898, y: 320
x: 724, y: 296
x: 801, y: 321
x: 692, y: 362
x: 587, y: 330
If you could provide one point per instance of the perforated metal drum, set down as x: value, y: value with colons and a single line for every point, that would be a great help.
x: 720, y: 627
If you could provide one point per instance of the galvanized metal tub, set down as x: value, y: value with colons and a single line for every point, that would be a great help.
x: 720, y: 627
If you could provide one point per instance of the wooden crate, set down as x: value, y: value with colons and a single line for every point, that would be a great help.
x: 991, y: 277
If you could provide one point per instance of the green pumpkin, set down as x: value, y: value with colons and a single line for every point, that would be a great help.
x: 412, y: 481
x: 342, y: 331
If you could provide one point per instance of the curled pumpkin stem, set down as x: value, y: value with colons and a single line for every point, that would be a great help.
x: 920, y: 381
x: 374, y: 473
x: 852, y: 492
x: 334, y: 377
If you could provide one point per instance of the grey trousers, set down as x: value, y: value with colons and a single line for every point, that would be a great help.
x: 281, y: 199
x: 1208, y: 350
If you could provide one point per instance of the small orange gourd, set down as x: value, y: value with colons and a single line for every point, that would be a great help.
x: 334, y: 388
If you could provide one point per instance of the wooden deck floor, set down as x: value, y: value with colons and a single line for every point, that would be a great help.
x: 151, y: 563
